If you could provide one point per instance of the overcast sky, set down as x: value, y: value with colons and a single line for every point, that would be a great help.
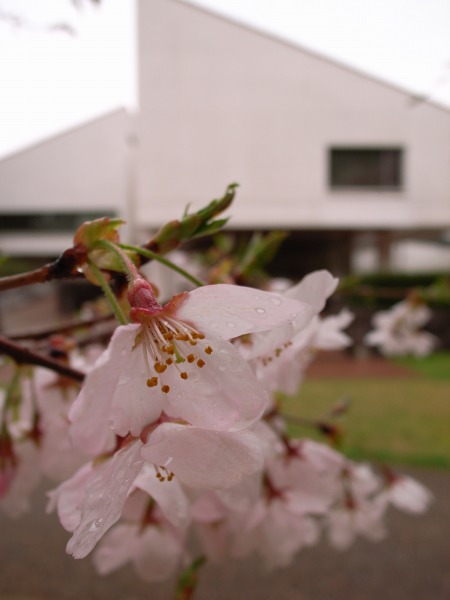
x: 52, y: 80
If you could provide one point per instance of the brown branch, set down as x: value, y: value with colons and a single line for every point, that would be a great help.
x: 64, y: 267
x: 25, y: 356
x: 14, y: 281
x: 169, y: 237
x: 66, y: 328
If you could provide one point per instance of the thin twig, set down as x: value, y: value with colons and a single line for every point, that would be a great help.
x: 66, y: 328
x: 25, y: 356
x: 64, y: 267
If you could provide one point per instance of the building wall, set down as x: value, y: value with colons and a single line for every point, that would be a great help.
x: 223, y: 103
x: 47, y: 190
x: 84, y: 169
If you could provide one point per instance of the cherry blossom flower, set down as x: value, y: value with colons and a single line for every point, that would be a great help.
x: 359, y: 510
x: 280, y: 357
x: 313, y: 290
x: 16, y: 496
x: 276, y: 531
x: 397, y: 330
x: 405, y: 493
x: 153, y: 549
x: 93, y: 499
x: 151, y: 532
x: 178, y: 359
x: 58, y: 458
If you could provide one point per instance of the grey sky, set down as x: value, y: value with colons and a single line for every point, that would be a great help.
x: 53, y: 81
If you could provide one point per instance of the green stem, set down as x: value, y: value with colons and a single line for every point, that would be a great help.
x: 130, y: 267
x: 188, y: 580
x: 154, y: 256
x: 115, y: 306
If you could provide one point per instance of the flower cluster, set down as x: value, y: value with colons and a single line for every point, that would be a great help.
x: 398, y: 331
x: 176, y: 429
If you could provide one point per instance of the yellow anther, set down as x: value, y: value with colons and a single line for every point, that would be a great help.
x: 168, y: 336
x: 169, y: 361
x: 192, y: 343
x: 170, y: 349
x: 182, y: 337
x: 160, y: 368
x: 200, y: 363
x: 208, y: 350
x: 170, y: 477
x: 183, y: 375
x: 152, y: 382
x: 165, y: 389
x: 190, y: 358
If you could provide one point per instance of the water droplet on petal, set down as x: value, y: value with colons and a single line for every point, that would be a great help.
x: 222, y: 367
x: 276, y: 301
x: 95, y: 525
x: 230, y: 324
x: 260, y: 310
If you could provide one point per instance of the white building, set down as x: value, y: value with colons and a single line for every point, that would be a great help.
x: 342, y: 159
x: 51, y: 188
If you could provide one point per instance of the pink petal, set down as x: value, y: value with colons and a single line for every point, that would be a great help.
x: 227, y: 311
x: 113, y: 551
x: 156, y: 554
x: 104, y: 498
x: 171, y: 499
x: 90, y: 429
x: 224, y: 394
x: 69, y: 496
x: 314, y: 289
x: 133, y: 403
x: 204, y: 459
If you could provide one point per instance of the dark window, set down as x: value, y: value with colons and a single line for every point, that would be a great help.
x: 51, y: 222
x: 365, y: 167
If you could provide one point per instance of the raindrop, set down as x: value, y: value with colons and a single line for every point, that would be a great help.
x: 222, y: 367
x: 276, y: 301
x: 95, y: 524
x: 260, y: 310
x: 230, y: 324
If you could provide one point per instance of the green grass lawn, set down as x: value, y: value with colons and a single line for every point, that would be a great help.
x: 403, y: 421
x: 435, y: 366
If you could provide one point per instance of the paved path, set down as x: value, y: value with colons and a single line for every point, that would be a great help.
x: 412, y: 564
x: 341, y: 365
